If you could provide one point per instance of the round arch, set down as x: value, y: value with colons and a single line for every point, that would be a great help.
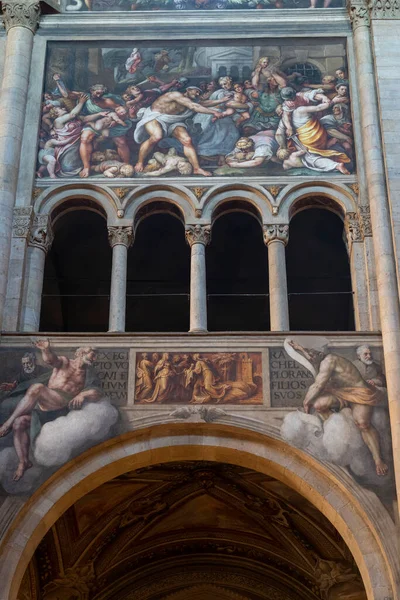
x: 53, y: 198
x: 253, y: 195
x: 339, y: 196
x: 357, y: 515
x: 180, y: 197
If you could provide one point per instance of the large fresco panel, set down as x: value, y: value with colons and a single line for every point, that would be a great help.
x: 324, y: 397
x: 176, y: 110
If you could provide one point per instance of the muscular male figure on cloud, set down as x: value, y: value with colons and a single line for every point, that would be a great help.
x: 65, y: 389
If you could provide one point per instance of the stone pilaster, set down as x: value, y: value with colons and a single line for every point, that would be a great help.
x: 365, y: 221
x: 120, y: 238
x: 276, y: 236
x: 21, y: 18
x: 198, y: 236
x: 40, y: 240
x: 385, y: 263
x: 21, y: 232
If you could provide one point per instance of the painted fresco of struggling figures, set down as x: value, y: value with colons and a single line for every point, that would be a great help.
x: 52, y: 407
x: 344, y: 418
x: 132, y: 112
x: 194, y: 378
x: 113, y: 5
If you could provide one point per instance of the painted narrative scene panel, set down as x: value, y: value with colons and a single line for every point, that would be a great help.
x: 217, y: 378
x: 175, y: 110
x: 115, y: 5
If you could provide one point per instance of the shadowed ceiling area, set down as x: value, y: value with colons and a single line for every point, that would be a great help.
x: 192, y: 531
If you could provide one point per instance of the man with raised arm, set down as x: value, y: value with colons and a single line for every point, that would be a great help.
x: 338, y: 384
x: 166, y: 117
x: 72, y: 382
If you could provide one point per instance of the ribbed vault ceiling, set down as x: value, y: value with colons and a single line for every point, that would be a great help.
x: 196, y: 531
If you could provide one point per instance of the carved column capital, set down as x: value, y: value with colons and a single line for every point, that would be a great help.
x: 353, y: 230
x: 384, y: 9
x: 198, y: 234
x: 359, y: 13
x: 41, y: 235
x: 22, y: 222
x: 120, y: 235
x: 276, y: 232
x: 365, y: 220
x: 21, y: 13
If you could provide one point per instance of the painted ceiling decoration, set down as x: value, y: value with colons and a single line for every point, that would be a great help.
x: 195, y: 530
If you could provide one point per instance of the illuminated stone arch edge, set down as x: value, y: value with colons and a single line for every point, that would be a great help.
x: 356, y: 513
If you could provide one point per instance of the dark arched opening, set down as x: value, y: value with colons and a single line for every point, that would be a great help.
x: 77, y: 274
x: 318, y: 272
x: 237, y: 275
x: 158, y: 275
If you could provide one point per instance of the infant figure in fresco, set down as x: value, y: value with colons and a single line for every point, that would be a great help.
x: 114, y: 168
x: 161, y: 164
x: 113, y: 118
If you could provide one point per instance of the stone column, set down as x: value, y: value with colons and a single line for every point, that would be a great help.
x: 39, y: 244
x: 198, y: 236
x: 355, y: 250
x: 380, y: 217
x: 276, y: 237
x: 21, y: 18
x: 120, y: 239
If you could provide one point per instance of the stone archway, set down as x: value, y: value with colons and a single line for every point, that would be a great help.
x: 357, y: 517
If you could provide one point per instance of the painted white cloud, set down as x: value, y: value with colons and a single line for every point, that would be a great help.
x: 62, y: 438
x: 339, y: 441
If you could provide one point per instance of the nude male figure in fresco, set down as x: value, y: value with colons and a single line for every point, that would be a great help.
x: 71, y: 383
x: 167, y: 116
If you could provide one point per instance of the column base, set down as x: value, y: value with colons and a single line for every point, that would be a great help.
x: 198, y: 331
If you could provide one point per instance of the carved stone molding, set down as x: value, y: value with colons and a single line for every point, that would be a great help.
x: 21, y: 13
x: 365, y: 221
x: 22, y: 222
x: 41, y: 233
x: 198, y: 234
x: 120, y: 235
x: 384, y: 9
x: 276, y: 232
x: 353, y: 228
x: 359, y: 13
